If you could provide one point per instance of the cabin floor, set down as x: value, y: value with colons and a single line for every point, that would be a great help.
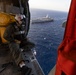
x: 13, y: 69
x: 7, y: 66
x: 52, y: 72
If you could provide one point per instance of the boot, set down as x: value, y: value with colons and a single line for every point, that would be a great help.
x: 25, y: 70
x: 27, y: 45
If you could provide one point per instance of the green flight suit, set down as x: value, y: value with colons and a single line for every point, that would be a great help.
x: 12, y: 52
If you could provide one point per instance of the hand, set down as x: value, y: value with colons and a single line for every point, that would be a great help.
x: 17, y: 41
x: 25, y: 70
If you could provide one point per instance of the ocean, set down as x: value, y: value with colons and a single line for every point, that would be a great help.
x: 47, y: 37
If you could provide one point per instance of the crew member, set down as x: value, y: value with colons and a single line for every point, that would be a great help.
x: 15, y: 35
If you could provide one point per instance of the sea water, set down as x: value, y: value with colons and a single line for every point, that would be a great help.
x: 47, y: 37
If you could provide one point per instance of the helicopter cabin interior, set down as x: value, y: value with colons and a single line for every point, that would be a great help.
x: 10, y: 6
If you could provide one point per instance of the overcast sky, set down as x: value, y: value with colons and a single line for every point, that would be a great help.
x: 61, y: 5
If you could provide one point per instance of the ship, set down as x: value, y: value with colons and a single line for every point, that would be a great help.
x: 64, y: 24
x: 42, y: 20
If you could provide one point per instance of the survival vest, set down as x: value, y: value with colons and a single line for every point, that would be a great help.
x: 5, y: 20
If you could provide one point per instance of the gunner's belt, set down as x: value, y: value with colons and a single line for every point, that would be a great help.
x: 19, y: 32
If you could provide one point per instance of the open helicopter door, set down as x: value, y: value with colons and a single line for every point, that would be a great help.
x: 22, y: 7
x: 66, y: 62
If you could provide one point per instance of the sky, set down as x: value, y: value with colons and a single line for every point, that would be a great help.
x: 60, y: 5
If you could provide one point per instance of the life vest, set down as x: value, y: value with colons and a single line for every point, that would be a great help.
x: 5, y: 20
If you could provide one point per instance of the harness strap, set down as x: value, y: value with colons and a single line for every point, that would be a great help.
x: 19, y: 32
